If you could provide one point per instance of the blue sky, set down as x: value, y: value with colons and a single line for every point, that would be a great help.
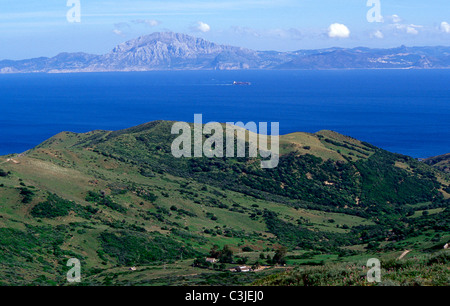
x: 30, y: 28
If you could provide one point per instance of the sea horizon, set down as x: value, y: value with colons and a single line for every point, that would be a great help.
x: 350, y: 102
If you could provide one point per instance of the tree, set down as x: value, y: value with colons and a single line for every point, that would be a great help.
x: 201, y: 263
x: 226, y: 255
x: 373, y: 245
x: 214, y: 252
x: 279, y: 256
x: 242, y: 260
x: 256, y: 265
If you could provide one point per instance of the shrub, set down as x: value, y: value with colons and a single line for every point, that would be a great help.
x: 440, y: 258
x: 52, y: 208
x: 247, y: 249
x: 27, y: 195
x: 104, y: 200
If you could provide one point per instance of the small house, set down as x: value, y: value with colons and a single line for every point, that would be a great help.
x: 243, y: 269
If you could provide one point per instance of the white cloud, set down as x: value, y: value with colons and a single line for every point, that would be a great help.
x: 445, y: 27
x: 408, y: 28
x: 377, y: 34
x: 118, y: 32
x: 203, y: 27
x: 148, y: 22
x: 411, y: 30
x: 337, y: 30
x: 396, y: 23
x: 394, y: 19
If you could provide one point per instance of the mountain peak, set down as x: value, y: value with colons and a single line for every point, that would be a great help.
x: 168, y: 50
x: 167, y: 39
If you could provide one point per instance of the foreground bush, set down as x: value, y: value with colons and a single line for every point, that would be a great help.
x: 427, y: 270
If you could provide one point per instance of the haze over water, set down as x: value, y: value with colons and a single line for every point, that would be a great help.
x: 403, y: 111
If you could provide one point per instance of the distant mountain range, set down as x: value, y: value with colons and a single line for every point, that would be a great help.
x: 174, y: 51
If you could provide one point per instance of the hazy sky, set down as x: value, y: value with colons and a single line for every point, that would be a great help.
x: 30, y: 28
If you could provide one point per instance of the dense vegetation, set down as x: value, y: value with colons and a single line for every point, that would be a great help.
x: 56, y: 206
x: 53, y: 207
x: 133, y: 248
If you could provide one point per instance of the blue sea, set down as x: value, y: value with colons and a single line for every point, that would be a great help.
x: 403, y: 111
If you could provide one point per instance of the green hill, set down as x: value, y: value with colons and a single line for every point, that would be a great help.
x: 120, y: 199
x: 441, y: 162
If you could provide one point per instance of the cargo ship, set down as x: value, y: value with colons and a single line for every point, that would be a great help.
x: 241, y: 83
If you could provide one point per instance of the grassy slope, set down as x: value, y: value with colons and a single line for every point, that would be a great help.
x: 442, y: 162
x: 194, y: 209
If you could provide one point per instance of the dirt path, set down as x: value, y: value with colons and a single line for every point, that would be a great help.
x: 10, y: 160
x: 404, y: 254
